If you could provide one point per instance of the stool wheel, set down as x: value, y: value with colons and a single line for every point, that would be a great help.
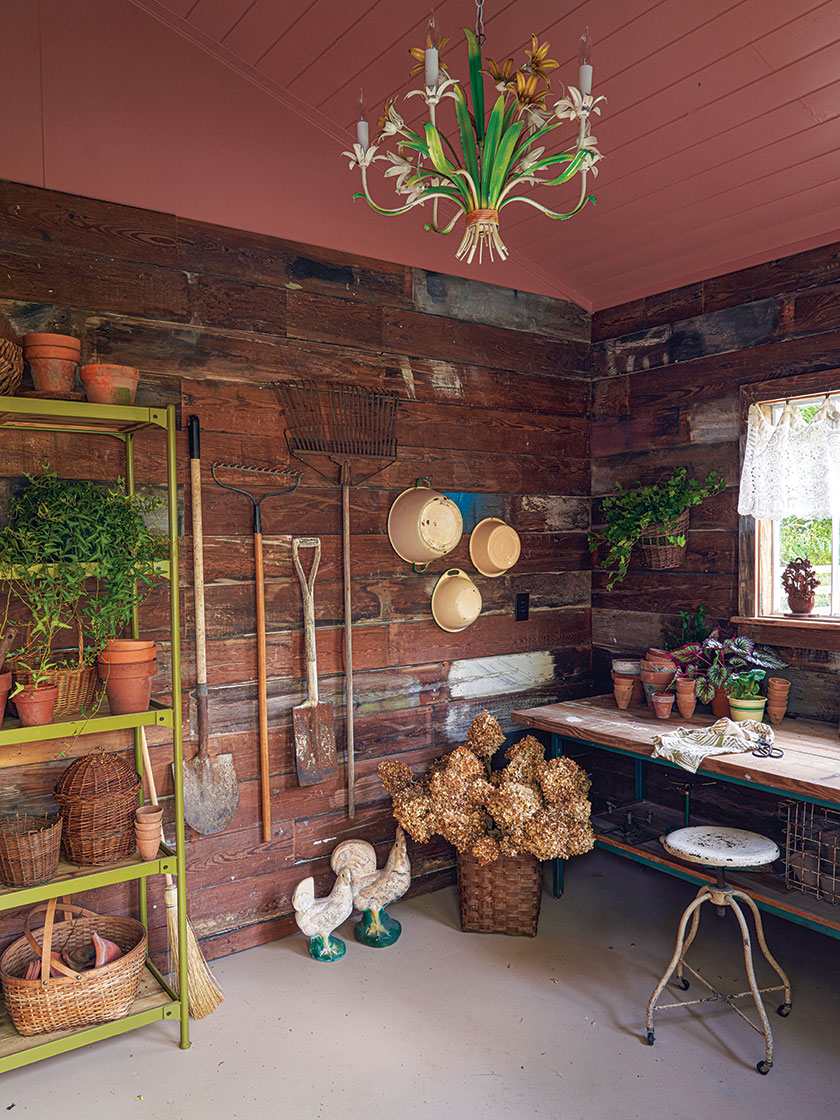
x: 651, y: 1038
x: 764, y: 1067
x: 783, y: 1010
x: 683, y: 984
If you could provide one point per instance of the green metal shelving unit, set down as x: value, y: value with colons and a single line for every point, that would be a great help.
x: 156, y: 1000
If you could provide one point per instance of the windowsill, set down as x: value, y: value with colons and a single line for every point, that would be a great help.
x: 812, y: 632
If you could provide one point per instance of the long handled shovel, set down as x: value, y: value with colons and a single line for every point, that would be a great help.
x: 313, y: 719
x: 211, y: 789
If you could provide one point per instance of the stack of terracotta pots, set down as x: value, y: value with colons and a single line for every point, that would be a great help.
x: 53, y: 361
x: 627, y: 681
x: 147, y: 830
x: 686, y: 696
x: 777, y: 698
x: 128, y: 666
x: 658, y: 670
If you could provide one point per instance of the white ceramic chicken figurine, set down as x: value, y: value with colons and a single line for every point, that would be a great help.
x: 374, y: 890
x: 318, y: 917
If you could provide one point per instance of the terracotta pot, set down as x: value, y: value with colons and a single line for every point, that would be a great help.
x: 127, y: 656
x: 778, y: 685
x: 120, y: 645
x: 148, y: 814
x: 623, y: 695
x: 801, y: 604
x: 660, y: 657
x: 638, y: 694
x: 148, y: 827
x: 53, y: 375
x: 128, y: 687
x: 67, y: 341
x: 739, y: 710
x: 5, y: 689
x: 52, y: 352
x: 686, y: 703
x: 776, y: 709
x: 720, y: 704
x: 685, y: 684
x: 107, y: 384
x: 662, y: 702
x: 147, y: 846
x: 36, y: 706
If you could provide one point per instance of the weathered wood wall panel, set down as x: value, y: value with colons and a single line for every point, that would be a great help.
x: 494, y: 392
x: 667, y: 373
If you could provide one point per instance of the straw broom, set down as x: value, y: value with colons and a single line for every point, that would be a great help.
x: 203, y: 993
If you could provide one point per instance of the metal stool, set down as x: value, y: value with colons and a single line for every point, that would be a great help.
x: 720, y: 848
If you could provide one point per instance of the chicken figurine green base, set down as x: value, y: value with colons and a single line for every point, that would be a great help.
x: 374, y: 890
x: 318, y: 917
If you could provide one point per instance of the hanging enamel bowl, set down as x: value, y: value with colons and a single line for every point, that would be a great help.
x: 423, y: 525
x: 494, y: 546
x: 456, y: 601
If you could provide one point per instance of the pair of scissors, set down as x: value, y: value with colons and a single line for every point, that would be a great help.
x: 767, y: 750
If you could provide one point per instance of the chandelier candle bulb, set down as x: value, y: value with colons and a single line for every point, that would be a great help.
x: 431, y: 58
x: 585, y: 63
x: 362, y: 126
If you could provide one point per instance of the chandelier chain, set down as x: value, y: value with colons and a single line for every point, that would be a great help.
x: 479, y: 21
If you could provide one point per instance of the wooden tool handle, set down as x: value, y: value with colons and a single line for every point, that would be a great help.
x: 198, y: 585
x: 150, y: 778
x: 307, y: 586
x: 348, y: 654
x: 262, y: 691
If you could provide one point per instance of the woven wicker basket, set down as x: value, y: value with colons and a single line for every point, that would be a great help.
x: 77, y: 687
x: 29, y: 849
x: 11, y: 367
x: 73, y: 1000
x: 657, y: 550
x: 500, y: 897
x: 98, y: 797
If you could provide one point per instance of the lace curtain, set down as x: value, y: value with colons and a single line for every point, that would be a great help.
x: 792, y: 468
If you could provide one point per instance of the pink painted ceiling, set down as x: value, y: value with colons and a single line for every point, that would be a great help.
x: 721, y: 136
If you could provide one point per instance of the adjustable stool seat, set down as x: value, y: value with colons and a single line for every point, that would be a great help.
x: 719, y: 848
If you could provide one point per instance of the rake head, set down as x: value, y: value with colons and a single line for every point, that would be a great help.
x: 342, y: 421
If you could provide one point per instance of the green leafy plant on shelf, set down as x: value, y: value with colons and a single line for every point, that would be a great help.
x: 717, y: 660
x: 630, y: 512
x: 78, y: 556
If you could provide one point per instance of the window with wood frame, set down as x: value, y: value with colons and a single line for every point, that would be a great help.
x: 802, y: 475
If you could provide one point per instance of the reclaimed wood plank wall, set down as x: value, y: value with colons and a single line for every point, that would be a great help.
x: 667, y: 372
x: 494, y: 395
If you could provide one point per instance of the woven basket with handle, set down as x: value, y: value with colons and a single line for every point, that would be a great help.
x: 657, y: 551
x: 500, y: 897
x: 29, y: 849
x: 77, y: 686
x: 72, y: 999
x: 11, y: 367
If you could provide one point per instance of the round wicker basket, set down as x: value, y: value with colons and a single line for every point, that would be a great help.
x: 29, y: 849
x: 657, y: 551
x: 97, y: 795
x: 500, y: 897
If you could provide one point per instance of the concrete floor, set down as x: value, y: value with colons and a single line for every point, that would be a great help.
x: 446, y: 1024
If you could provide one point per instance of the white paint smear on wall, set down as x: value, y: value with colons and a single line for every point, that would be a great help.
x: 494, y: 676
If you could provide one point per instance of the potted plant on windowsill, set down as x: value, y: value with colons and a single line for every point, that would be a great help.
x: 716, y: 659
x: 745, y: 700
x: 800, y: 582
x: 654, y: 517
x: 77, y: 556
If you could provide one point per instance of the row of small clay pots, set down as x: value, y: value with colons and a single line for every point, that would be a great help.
x: 147, y: 830
x: 54, y: 358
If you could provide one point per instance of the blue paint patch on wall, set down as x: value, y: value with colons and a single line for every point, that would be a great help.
x: 475, y: 507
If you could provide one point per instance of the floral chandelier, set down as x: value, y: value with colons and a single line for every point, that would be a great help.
x: 492, y: 160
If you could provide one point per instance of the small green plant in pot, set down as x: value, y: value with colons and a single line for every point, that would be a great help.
x: 654, y: 516
x: 80, y: 557
x: 745, y: 700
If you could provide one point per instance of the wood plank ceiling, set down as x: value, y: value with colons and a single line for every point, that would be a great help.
x: 721, y: 135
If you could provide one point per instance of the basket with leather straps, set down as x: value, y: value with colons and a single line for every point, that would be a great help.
x: 97, y: 795
x: 11, y: 367
x: 657, y: 551
x: 71, y: 999
x: 500, y: 897
x: 29, y: 849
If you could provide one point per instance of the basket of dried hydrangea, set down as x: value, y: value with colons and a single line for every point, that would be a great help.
x: 502, y: 820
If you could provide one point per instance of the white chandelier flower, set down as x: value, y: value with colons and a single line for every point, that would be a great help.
x: 392, y: 122
x: 401, y: 168
x: 362, y: 157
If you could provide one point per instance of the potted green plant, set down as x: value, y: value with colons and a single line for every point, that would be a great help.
x: 800, y: 582
x: 81, y: 557
x: 716, y: 659
x: 655, y: 517
x: 745, y: 700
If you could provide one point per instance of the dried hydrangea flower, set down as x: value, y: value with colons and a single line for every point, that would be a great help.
x: 462, y: 830
x: 413, y: 809
x: 486, y: 850
x: 485, y: 736
x: 561, y: 779
x: 523, y: 758
x: 395, y: 775
x: 514, y: 803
